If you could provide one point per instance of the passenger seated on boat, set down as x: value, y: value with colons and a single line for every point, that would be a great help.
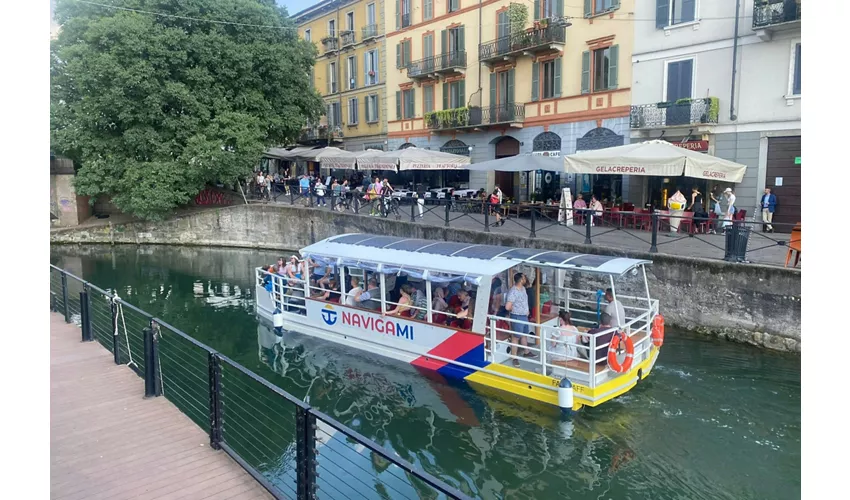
x: 560, y: 345
x: 602, y: 341
x: 321, y: 273
x: 404, y: 301
x: 293, y: 271
x: 439, y: 306
x: 459, y: 300
x: 420, y: 302
x: 464, y: 316
x: 356, y: 289
x: 329, y: 292
x: 371, y: 298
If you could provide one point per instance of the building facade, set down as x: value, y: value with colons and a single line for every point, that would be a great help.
x: 349, y: 72
x: 492, y: 78
x: 725, y: 83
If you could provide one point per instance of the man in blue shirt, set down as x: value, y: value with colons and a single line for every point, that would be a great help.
x: 768, y: 206
x: 305, y: 185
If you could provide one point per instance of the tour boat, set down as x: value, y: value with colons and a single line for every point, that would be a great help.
x: 464, y: 333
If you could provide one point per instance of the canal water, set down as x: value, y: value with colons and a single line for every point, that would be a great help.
x: 714, y: 420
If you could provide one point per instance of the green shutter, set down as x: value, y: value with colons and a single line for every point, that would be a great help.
x: 559, y: 8
x: 588, y: 8
x: 615, y: 4
x: 444, y: 41
x: 398, y: 105
x: 445, y: 96
x: 557, y: 79
x: 354, y: 71
x: 493, y: 98
x: 613, y: 59
x: 585, y: 72
x: 461, y: 94
x: 329, y: 78
x: 397, y: 15
x: 398, y: 55
x: 461, y: 39
x: 411, y: 107
x: 537, y: 9
x: 662, y: 13
x: 511, y: 76
x: 535, y: 81
x: 407, y: 53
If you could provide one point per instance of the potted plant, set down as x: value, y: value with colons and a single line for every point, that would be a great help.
x: 679, y: 113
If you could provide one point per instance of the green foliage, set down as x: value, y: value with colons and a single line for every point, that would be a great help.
x: 153, y: 108
x: 518, y: 17
x: 448, y: 118
x: 713, y: 109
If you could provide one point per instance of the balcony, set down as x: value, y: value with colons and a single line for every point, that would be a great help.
x: 330, y: 44
x: 369, y: 32
x: 313, y: 134
x: 776, y: 15
x: 512, y: 114
x: 422, y: 69
x: 527, y: 43
x: 683, y: 112
x: 348, y: 38
x: 451, y: 62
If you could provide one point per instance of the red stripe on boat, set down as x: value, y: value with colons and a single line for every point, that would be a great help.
x: 452, y: 348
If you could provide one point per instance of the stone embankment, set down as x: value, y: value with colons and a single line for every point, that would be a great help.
x: 749, y: 303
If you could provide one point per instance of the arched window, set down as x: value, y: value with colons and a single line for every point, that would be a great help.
x: 547, y: 141
x: 407, y: 145
x: 455, y: 147
x: 599, y: 138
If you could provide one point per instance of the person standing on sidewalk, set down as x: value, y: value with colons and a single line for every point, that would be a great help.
x: 420, y: 198
x: 729, y: 213
x: 768, y: 206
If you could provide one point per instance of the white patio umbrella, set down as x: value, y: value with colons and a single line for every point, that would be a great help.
x: 370, y: 159
x: 330, y: 157
x: 520, y: 163
x: 654, y: 158
x: 416, y: 159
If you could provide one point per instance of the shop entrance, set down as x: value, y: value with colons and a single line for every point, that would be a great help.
x: 662, y: 188
x: 507, y: 146
x: 782, y: 168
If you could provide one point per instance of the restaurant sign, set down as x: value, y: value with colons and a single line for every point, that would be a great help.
x: 546, y: 153
x: 699, y: 146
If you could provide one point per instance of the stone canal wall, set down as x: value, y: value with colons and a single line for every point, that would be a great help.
x: 743, y: 302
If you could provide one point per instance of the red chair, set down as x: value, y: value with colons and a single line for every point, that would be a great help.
x: 439, y: 318
x: 705, y: 225
x: 547, y: 307
x: 687, y: 220
x: 740, y: 215
x: 615, y: 217
x: 628, y: 207
x: 643, y: 221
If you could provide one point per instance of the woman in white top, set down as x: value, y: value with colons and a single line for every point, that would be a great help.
x: 730, y: 212
x: 356, y: 290
x: 560, y: 347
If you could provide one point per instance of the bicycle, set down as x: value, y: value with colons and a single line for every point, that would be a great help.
x: 390, y: 205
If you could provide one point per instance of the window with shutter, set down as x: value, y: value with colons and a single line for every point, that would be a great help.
x: 601, y: 69
x: 679, y: 80
x: 352, y: 73
x: 557, y: 78
x: 672, y: 12
x: 398, y: 105
x: 446, y: 96
x: 585, y: 72
x: 454, y: 5
x: 511, y: 80
x: 796, y: 86
x: 428, y: 98
x: 602, y: 6
x: 398, y: 56
x: 613, y: 66
x: 352, y: 111
x: 409, y: 104
x: 493, y: 94
x: 427, y: 9
x: 536, y: 10
x: 535, y: 82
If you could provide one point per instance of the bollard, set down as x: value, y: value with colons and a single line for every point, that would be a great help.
x: 533, y: 223
x: 85, y: 319
x: 653, y: 247
x: 486, y: 219
x: 305, y: 454
x: 151, y: 379
x: 447, y: 212
x: 116, y: 351
x: 588, y: 223
x: 214, y: 363
x: 66, y: 311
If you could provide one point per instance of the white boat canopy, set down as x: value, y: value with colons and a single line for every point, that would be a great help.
x: 654, y: 158
x: 461, y: 259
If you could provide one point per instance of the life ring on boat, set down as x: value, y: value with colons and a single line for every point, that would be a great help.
x: 614, y: 346
x: 658, y: 331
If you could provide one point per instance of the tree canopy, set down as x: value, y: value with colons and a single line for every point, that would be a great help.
x: 154, y: 105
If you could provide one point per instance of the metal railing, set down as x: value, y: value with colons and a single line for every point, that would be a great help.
x: 369, y: 31
x: 348, y: 38
x: 773, y: 12
x: 450, y: 61
x: 670, y: 114
x: 512, y: 112
x: 523, y: 41
x: 290, y: 448
x: 330, y: 44
x: 422, y: 67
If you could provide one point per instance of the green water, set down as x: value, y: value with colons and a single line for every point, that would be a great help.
x: 714, y: 420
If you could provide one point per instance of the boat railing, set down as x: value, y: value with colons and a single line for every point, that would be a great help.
x: 287, y: 293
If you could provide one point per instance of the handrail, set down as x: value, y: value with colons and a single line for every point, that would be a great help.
x: 521, y: 41
x: 152, y: 372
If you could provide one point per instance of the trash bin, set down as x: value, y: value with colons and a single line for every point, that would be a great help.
x: 737, y: 239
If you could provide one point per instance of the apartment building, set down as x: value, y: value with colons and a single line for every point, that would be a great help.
x: 349, y: 72
x: 494, y: 78
x: 724, y: 82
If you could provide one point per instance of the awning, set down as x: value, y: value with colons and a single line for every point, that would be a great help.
x: 654, y: 158
x: 413, y: 159
x: 370, y: 159
x: 335, y: 158
x: 520, y: 163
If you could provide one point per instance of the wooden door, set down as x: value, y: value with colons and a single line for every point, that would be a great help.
x: 781, y: 155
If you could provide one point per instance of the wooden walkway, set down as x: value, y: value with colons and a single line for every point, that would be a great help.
x: 108, y: 442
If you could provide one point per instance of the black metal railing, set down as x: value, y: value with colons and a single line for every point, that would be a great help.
x: 769, y: 13
x: 450, y: 61
x: 369, y: 31
x: 330, y: 44
x: 422, y: 68
x: 348, y: 38
x: 524, y: 41
x: 671, y: 114
x: 290, y: 448
x: 405, y: 20
x: 512, y: 112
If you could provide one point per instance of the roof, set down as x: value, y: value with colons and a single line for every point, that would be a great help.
x: 462, y: 258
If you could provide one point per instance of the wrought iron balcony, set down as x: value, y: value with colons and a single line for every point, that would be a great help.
x: 368, y: 32
x: 702, y: 111
x: 330, y: 44
x: 450, y: 62
x: 348, y: 38
x: 511, y: 112
x: 312, y: 134
x: 423, y: 68
x: 528, y: 42
x: 769, y: 13
x: 476, y: 117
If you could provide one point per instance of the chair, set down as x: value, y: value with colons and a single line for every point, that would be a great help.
x: 547, y: 307
x: 643, y: 220
x: 704, y: 225
x: 740, y: 215
x: 687, y: 220
x: 628, y: 207
x: 615, y: 217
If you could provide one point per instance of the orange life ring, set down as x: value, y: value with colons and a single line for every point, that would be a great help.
x: 658, y: 331
x: 612, y: 353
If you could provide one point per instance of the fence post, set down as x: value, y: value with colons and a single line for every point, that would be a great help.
x: 85, y: 319
x: 448, y: 202
x: 533, y: 223
x: 116, y: 352
x: 413, y: 210
x: 151, y: 379
x: 486, y: 207
x: 214, y: 364
x: 291, y: 196
x: 333, y: 204
x: 66, y: 311
x: 310, y: 195
x: 305, y: 423
x: 653, y: 247
x: 588, y: 222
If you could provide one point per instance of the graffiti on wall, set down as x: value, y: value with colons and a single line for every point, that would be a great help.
x: 210, y: 197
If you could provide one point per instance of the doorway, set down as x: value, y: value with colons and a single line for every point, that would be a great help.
x: 784, y: 179
x: 506, y: 147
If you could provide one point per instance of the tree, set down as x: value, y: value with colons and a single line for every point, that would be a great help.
x: 154, y: 105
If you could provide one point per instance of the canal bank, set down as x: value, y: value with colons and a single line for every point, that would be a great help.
x: 748, y: 303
